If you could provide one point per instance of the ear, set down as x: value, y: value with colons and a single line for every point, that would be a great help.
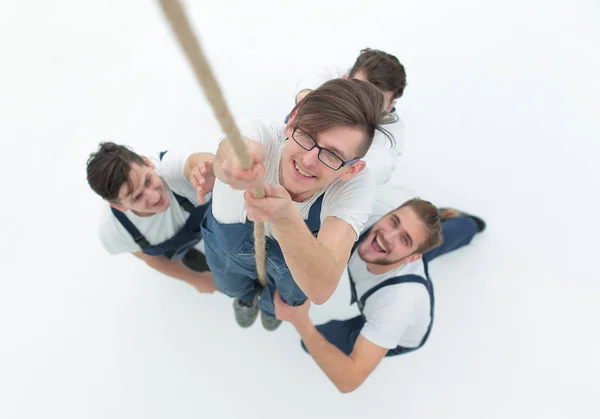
x: 414, y: 257
x: 345, y: 76
x: 391, y: 106
x: 354, y: 169
x: 148, y: 162
x: 117, y: 206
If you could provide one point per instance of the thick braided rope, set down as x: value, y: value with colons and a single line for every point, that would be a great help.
x: 190, y: 45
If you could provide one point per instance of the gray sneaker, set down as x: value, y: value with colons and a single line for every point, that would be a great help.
x: 245, y: 312
x: 269, y: 322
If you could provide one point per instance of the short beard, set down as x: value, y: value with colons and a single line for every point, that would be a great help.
x: 386, y: 262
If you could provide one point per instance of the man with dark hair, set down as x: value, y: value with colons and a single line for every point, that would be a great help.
x: 312, y: 172
x: 153, y: 211
x: 385, y: 72
x: 390, y: 283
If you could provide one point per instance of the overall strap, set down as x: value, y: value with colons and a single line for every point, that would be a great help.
x: 394, y: 281
x: 360, y: 239
x: 314, y: 215
x: 183, y: 202
x: 353, y: 295
x: 131, y: 229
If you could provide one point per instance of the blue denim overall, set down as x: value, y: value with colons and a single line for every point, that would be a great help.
x: 230, y: 254
x: 181, y: 245
x: 457, y: 232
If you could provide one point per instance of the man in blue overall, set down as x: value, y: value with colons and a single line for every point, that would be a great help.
x: 390, y: 283
x: 384, y: 71
x: 317, y: 198
x: 153, y: 211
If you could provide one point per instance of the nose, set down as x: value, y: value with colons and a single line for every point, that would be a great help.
x: 152, y: 197
x: 311, y: 158
x: 390, y: 236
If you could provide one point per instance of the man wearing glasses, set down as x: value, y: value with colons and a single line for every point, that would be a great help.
x: 317, y: 197
x: 384, y: 71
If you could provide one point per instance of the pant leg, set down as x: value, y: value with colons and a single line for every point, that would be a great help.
x: 341, y: 333
x: 456, y: 232
x: 234, y: 276
x: 279, y: 277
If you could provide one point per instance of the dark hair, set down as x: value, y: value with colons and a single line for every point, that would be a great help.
x: 344, y: 102
x: 108, y: 169
x: 430, y: 216
x: 382, y: 69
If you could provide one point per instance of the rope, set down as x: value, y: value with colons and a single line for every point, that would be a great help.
x: 190, y: 45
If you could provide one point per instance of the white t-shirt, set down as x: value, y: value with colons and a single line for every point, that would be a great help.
x: 395, y: 314
x: 158, y: 227
x: 352, y: 201
x: 381, y: 157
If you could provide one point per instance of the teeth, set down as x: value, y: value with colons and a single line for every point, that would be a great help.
x: 380, y: 244
x: 302, y: 172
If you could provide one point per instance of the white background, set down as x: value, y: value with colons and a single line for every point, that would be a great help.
x: 501, y: 120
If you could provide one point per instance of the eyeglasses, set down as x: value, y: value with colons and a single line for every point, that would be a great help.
x: 327, y: 157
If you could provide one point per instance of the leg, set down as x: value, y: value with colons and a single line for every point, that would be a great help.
x: 280, y: 278
x: 234, y: 277
x: 457, y: 232
x: 341, y: 333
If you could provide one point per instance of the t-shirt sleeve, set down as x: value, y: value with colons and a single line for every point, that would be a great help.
x: 114, y: 237
x: 171, y: 169
x: 391, y: 311
x: 265, y: 132
x: 351, y: 201
x: 381, y: 160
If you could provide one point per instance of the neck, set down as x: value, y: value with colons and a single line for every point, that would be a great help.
x: 377, y: 269
x: 301, y: 197
x: 143, y: 214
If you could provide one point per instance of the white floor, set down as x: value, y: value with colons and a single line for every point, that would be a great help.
x: 501, y: 115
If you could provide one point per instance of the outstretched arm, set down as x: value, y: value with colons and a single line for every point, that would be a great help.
x: 317, y: 264
x: 346, y: 372
x: 202, y: 281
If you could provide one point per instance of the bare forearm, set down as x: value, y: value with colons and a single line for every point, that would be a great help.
x: 338, y: 367
x: 172, y: 268
x: 312, y: 266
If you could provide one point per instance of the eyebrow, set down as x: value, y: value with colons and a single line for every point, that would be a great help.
x: 333, y: 149
x: 131, y: 194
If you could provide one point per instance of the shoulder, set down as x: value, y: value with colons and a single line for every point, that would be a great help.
x: 262, y: 130
x: 113, y: 236
x: 351, y: 201
x: 403, y: 302
x: 354, y: 192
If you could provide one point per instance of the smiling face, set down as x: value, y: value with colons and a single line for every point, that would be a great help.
x: 144, y: 193
x: 301, y: 172
x: 394, y: 239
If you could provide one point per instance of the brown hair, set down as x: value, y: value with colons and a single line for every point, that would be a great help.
x: 430, y: 216
x: 344, y: 102
x: 108, y: 169
x: 382, y: 69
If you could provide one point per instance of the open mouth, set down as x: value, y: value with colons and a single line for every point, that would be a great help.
x: 300, y: 172
x: 377, y: 245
